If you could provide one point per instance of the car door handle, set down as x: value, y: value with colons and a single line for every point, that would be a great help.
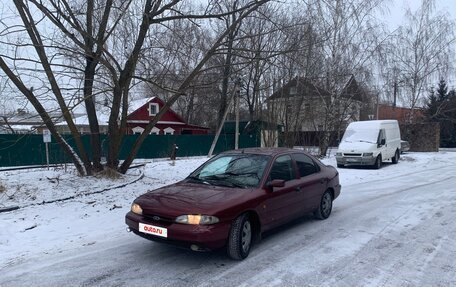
x: 322, y: 181
x: 298, y: 189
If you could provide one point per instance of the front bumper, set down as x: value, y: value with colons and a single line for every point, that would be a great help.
x: 205, y: 237
x: 355, y: 160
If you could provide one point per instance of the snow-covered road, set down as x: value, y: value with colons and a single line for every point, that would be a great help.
x: 390, y: 227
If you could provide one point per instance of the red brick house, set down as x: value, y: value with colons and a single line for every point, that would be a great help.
x: 142, y: 111
x: 402, y: 115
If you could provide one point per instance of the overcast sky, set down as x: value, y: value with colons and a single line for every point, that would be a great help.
x: 398, y: 8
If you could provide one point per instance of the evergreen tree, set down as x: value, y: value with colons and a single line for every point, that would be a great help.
x: 442, y: 91
x: 431, y: 104
x: 441, y: 108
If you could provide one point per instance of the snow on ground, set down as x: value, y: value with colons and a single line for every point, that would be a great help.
x: 55, y: 227
x: 390, y: 227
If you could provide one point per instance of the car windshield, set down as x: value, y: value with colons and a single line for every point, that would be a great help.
x: 233, y: 170
x: 361, y: 135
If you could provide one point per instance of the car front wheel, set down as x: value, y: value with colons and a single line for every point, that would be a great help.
x: 240, y: 238
x: 325, y: 208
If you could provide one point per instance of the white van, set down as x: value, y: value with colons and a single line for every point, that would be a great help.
x: 369, y: 143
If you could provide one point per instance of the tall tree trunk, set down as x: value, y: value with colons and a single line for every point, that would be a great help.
x: 227, y: 65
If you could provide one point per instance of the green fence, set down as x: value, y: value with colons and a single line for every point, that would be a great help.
x: 22, y: 150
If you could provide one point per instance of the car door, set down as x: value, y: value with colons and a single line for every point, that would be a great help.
x: 281, y: 204
x: 311, y: 183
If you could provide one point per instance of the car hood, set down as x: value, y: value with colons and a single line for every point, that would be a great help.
x: 356, y: 147
x: 191, y: 198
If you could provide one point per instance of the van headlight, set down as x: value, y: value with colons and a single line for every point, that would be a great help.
x: 197, y: 219
x: 368, y: 154
x: 338, y: 154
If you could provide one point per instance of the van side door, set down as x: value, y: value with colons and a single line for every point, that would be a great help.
x: 382, y: 144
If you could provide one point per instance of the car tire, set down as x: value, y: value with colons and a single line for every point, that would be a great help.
x: 395, y: 159
x: 240, y: 238
x: 378, y: 162
x: 325, y: 207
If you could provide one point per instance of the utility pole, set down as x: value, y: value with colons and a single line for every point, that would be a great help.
x: 238, y: 95
x: 394, y: 93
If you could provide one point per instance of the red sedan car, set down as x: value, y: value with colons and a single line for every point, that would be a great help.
x: 234, y: 197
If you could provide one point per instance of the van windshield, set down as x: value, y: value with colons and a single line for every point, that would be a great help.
x: 361, y: 135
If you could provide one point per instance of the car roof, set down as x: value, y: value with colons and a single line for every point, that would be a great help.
x: 264, y: 151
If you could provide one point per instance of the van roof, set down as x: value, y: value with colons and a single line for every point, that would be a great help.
x: 375, y: 124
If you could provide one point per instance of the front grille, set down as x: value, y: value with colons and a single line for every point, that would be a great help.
x: 352, y: 154
x: 158, y: 218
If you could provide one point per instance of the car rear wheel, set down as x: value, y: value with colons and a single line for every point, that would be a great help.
x: 395, y: 159
x: 240, y: 238
x: 325, y: 208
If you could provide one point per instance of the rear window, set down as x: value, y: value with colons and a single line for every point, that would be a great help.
x: 306, y: 166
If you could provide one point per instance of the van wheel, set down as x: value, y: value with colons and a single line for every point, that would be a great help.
x: 378, y: 162
x: 395, y: 159
x: 240, y: 238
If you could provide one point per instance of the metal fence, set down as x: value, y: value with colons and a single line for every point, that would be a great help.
x: 22, y: 150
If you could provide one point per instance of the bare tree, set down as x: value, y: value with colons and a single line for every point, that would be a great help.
x: 91, y: 30
x: 421, y: 52
x: 349, y: 30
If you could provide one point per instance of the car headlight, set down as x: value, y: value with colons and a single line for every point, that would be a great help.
x: 368, y: 154
x: 197, y: 219
x: 338, y: 154
x: 135, y: 208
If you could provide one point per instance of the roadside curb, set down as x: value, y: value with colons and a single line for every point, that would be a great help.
x: 12, y: 208
x: 8, y: 208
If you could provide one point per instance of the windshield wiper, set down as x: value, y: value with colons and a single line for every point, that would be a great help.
x: 197, y: 179
x: 364, y: 141
x: 228, y: 183
x: 240, y: 174
x: 223, y: 180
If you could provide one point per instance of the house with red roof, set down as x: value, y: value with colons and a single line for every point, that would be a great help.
x: 142, y: 111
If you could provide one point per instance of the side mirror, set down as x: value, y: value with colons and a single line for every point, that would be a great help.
x: 383, y: 142
x: 275, y: 183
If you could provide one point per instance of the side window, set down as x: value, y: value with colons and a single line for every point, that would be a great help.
x: 282, y: 168
x: 381, y: 136
x: 306, y: 165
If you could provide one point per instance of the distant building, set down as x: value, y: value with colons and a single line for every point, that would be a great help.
x: 22, y: 122
x: 140, y: 113
x: 300, y: 104
x: 401, y: 114
x: 82, y: 124
x: 143, y: 111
